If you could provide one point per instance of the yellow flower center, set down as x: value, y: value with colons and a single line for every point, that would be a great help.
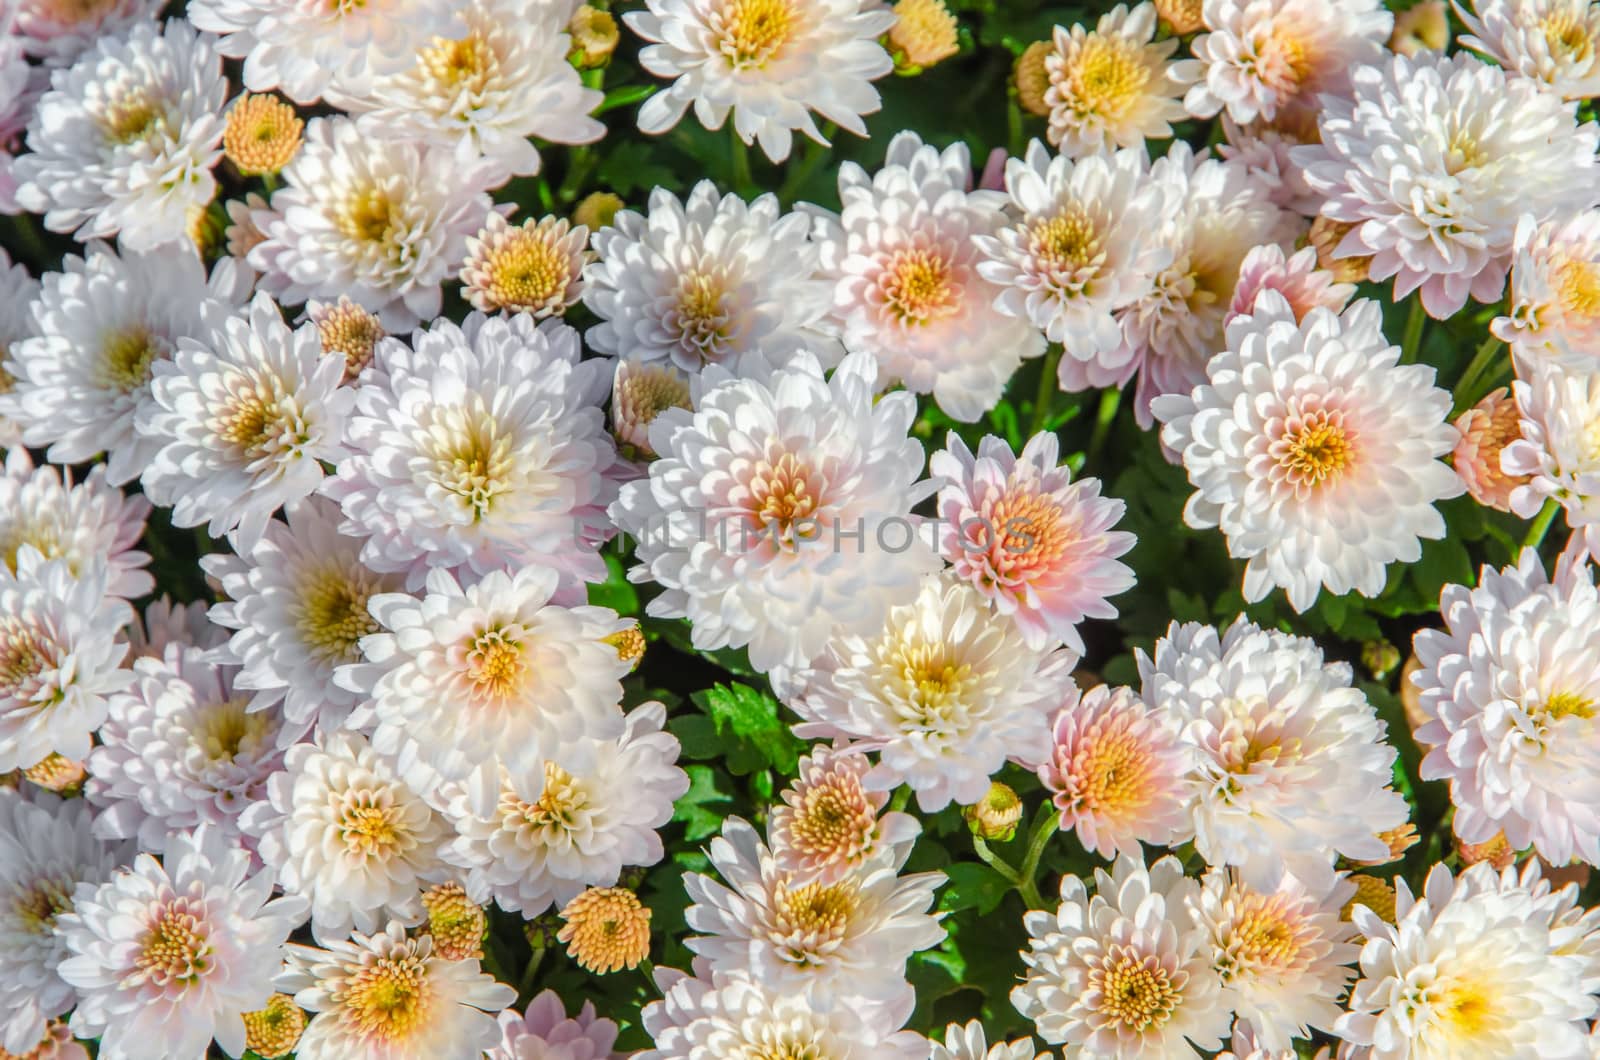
x: 918, y: 287
x: 127, y: 121
x: 476, y: 462
x: 754, y: 32
x: 1569, y: 705
x: 261, y: 424
x: 528, y: 271
x: 1466, y: 1005
x: 229, y: 727
x: 388, y: 1000
x: 174, y: 949
x: 333, y: 616
x: 38, y: 907
x: 1577, y: 286
x: 370, y: 828
x: 1069, y: 241
x: 496, y: 665
x: 1136, y: 991
x: 702, y: 321
x: 1566, y: 34
x: 562, y: 800
x: 1316, y: 452
x: 368, y: 216
x: 467, y: 62
x: 935, y: 684
x: 24, y: 655
x: 126, y: 358
x: 784, y: 493
x: 1111, y: 775
x: 1108, y: 77
x: 812, y: 917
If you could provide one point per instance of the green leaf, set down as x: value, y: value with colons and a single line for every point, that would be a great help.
x: 632, y: 167
x: 972, y: 886
x: 696, y: 807
x: 753, y: 735
x: 616, y: 592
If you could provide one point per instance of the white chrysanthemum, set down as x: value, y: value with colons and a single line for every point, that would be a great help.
x: 124, y: 141
x: 1260, y: 58
x: 85, y: 524
x: 167, y: 957
x: 47, y: 848
x: 1221, y: 213
x: 60, y: 653
x: 1470, y: 969
x: 102, y: 323
x: 21, y: 85
x: 1085, y: 245
x: 1126, y: 974
x: 179, y: 750
x: 970, y: 1043
x: 546, y: 1032
x: 1559, y: 447
x: 164, y: 622
x: 945, y: 692
x: 770, y: 62
x: 540, y: 836
x: 482, y: 450
x: 1265, y: 149
x: 245, y: 418
x: 17, y: 291
x: 780, y: 509
x: 349, y: 830
x: 906, y: 277
x: 795, y: 934
x: 304, y: 48
x: 1290, y: 760
x: 1553, y: 312
x: 712, y: 280
x: 58, y: 31
x: 740, y: 1017
x: 1111, y: 86
x: 1283, y: 951
x: 298, y: 601
x: 494, y: 673
x: 383, y: 996
x: 1434, y: 159
x: 384, y: 222
x: 1314, y: 450
x: 487, y: 91
x: 1551, y: 41
x: 1510, y: 689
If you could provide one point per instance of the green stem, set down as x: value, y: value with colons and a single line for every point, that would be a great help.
x: 795, y: 177
x: 1049, y: 822
x: 1110, y: 402
x: 1466, y: 390
x: 996, y: 862
x: 648, y: 970
x: 1413, y: 336
x: 525, y: 988
x: 1541, y: 523
x: 1014, y: 136
x: 902, y: 796
x: 1047, y: 390
x: 269, y: 183
x: 741, y: 163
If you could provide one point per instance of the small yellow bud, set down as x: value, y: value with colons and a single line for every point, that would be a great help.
x: 275, y: 1030
x: 262, y: 134
x: 629, y: 644
x: 1032, y: 79
x: 925, y: 33
x: 456, y: 923
x: 1326, y: 235
x: 995, y: 817
x: 594, y: 37
x: 596, y: 210
x: 607, y: 929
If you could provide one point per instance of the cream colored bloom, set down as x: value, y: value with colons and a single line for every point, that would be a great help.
x: 1111, y: 86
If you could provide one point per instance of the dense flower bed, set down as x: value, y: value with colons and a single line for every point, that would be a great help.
x: 799, y: 529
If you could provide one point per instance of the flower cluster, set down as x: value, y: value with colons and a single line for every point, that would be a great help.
x: 489, y: 569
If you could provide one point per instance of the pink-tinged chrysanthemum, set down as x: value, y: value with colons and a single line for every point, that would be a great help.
x: 1434, y: 159
x: 1086, y: 244
x: 1259, y: 58
x: 101, y: 324
x: 839, y: 942
x: 480, y: 448
x: 535, y: 267
x: 708, y: 280
x: 494, y: 674
x: 1467, y: 969
x: 1037, y: 545
x: 297, y: 606
x: 1296, y: 276
x: 1556, y: 42
x: 545, y: 1032
x: 303, y: 48
x: 1314, y: 450
x: 1486, y: 429
x: 1510, y: 689
x: 18, y: 289
x: 641, y: 391
x: 1126, y: 974
x: 945, y: 690
x: 1284, y: 951
x: 245, y: 419
x: 1553, y: 313
x: 780, y: 509
x: 179, y: 749
x: 350, y: 830
x: 487, y: 91
x: 771, y: 63
x: 164, y: 622
x: 57, y: 1043
x: 1559, y: 450
x: 1118, y: 773
x: 907, y: 286
x: 384, y: 222
x: 56, y: 32
x: 21, y: 85
x: 971, y: 1043
x: 83, y: 525
x: 384, y: 996
x: 716, y: 1014
x: 47, y: 849
x: 828, y: 823
x: 124, y: 142
x: 166, y: 957
x: 1291, y: 765
x: 1221, y: 211
x: 1265, y: 149
x: 540, y: 835
x: 1111, y: 86
x: 60, y: 656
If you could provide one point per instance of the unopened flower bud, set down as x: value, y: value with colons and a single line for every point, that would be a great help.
x: 607, y: 929
x: 1181, y: 17
x: 925, y: 33
x: 629, y: 644
x: 994, y: 818
x: 349, y: 330
x: 1380, y: 658
x: 639, y: 393
x: 1326, y: 235
x: 456, y: 923
x: 262, y: 134
x: 1032, y: 79
x: 1421, y: 26
x: 1486, y: 429
x: 275, y: 1030
x: 596, y: 210
x: 594, y: 37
